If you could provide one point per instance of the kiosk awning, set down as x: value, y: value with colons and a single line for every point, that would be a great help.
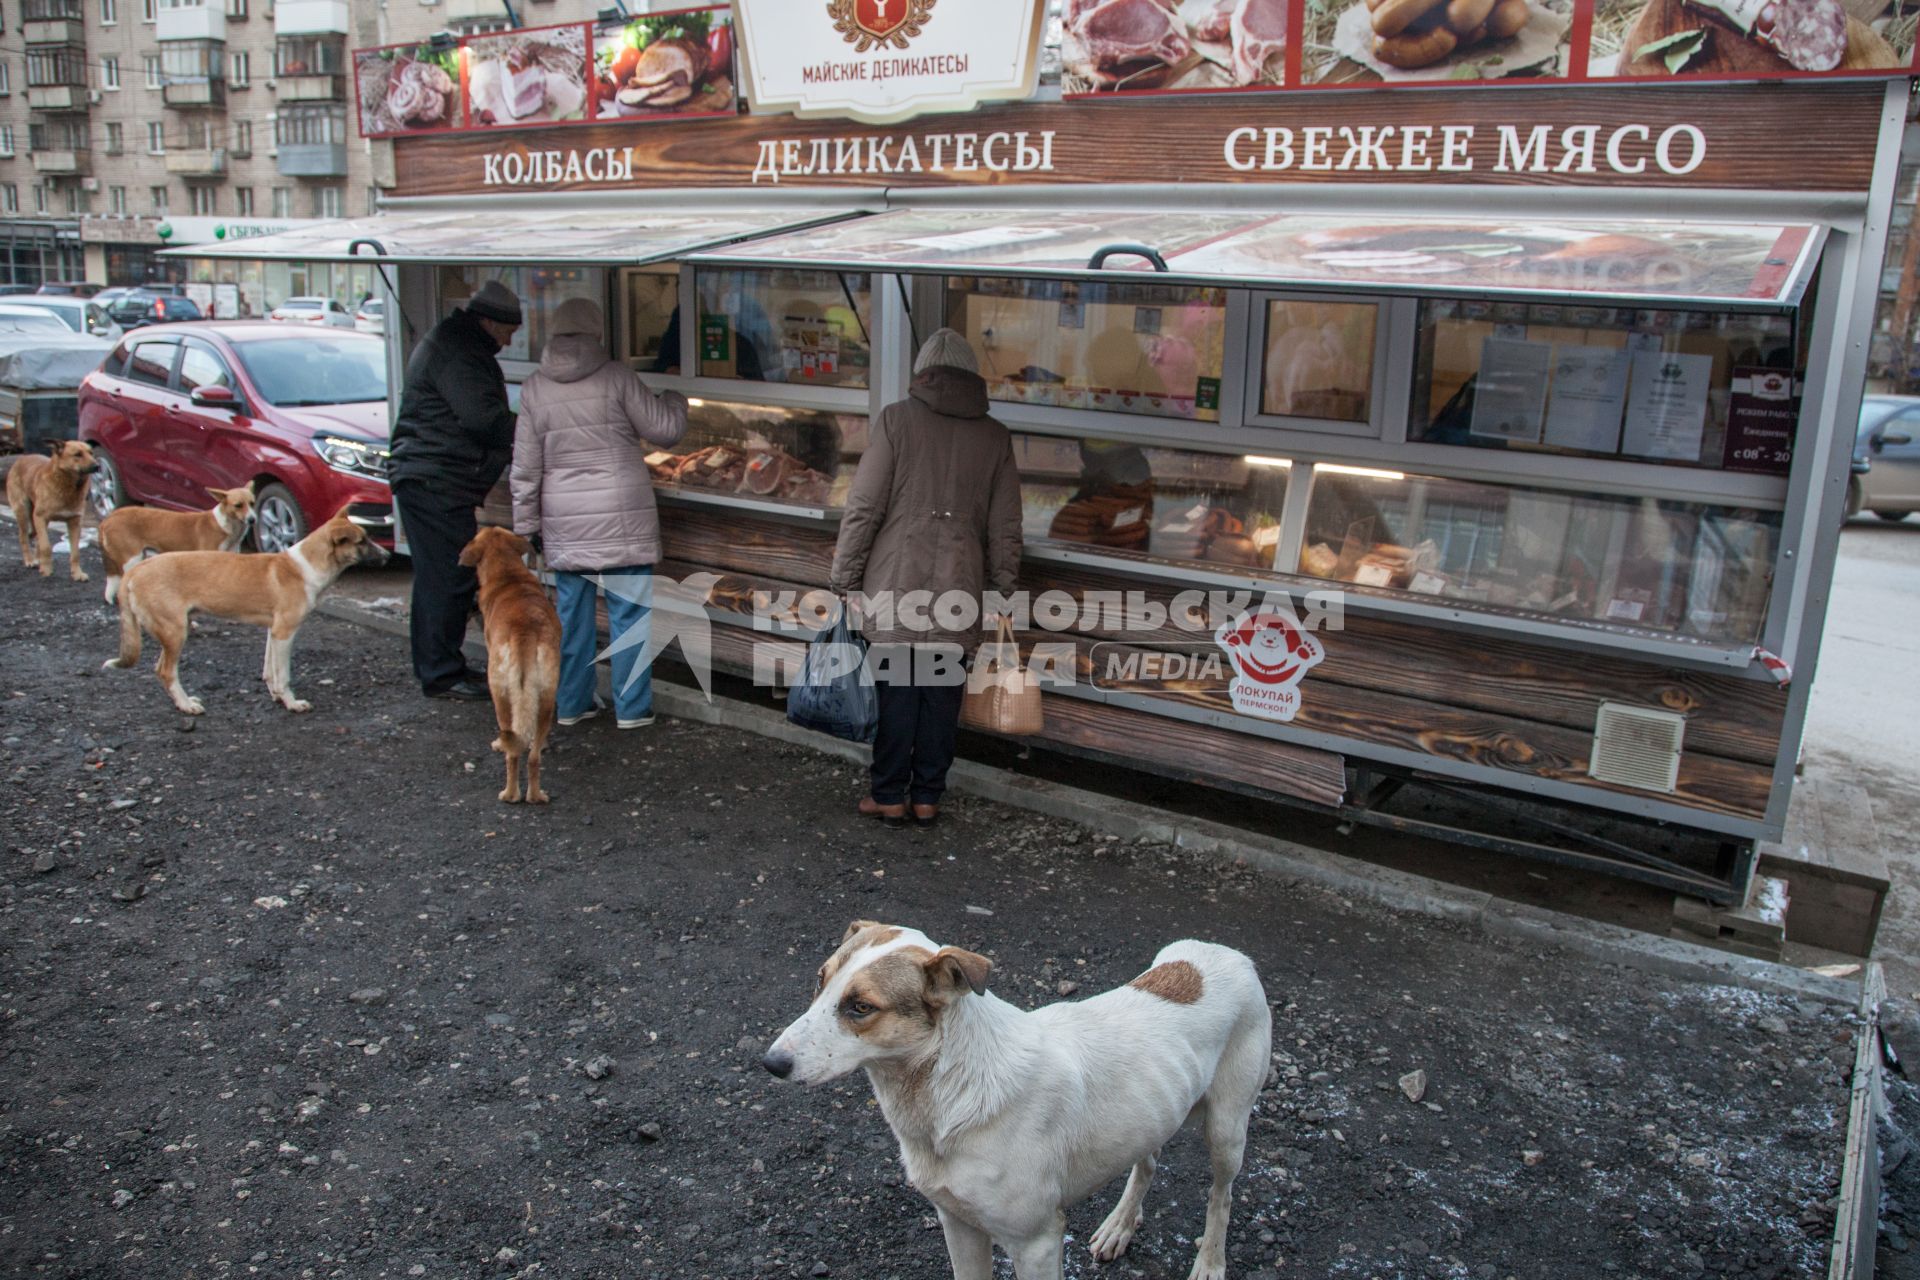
x: 1663, y: 262
x: 626, y: 238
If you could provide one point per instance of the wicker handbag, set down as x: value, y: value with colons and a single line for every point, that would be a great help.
x: 1002, y: 696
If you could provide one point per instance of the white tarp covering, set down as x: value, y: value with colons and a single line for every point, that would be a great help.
x: 48, y: 362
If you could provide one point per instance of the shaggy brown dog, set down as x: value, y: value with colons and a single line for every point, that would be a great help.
x: 276, y: 592
x: 523, y: 653
x: 131, y: 532
x: 42, y: 490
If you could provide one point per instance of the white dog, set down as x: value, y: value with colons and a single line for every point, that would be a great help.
x: 1006, y: 1118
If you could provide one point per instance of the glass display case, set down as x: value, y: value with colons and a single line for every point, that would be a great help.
x: 1690, y: 569
x: 809, y: 328
x: 1129, y: 500
x: 541, y: 290
x: 1139, y: 349
x: 1319, y: 359
x: 649, y: 311
x: 803, y: 458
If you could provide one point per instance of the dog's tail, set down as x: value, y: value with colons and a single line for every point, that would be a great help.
x: 129, y: 629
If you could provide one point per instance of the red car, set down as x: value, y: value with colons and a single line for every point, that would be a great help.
x: 178, y: 409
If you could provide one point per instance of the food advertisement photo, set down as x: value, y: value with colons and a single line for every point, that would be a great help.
x: 407, y: 89
x: 1133, y: 46
x: 665, y: 65
x: 1397, y: 41
x: 1721, y: 38
x: 527, y: 77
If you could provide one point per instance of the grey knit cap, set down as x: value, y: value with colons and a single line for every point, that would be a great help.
x: 945, y: 347
x: 494, y: 301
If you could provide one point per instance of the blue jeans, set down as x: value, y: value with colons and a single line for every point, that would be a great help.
x: 579, y: 642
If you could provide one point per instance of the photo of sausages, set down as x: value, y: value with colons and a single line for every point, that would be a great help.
x: 1369, y: 41
x: 1415, y: 50
x: 1732, y: 39
x: 1411, y: 34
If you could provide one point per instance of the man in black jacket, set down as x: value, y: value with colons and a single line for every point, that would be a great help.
x: 451, y: 441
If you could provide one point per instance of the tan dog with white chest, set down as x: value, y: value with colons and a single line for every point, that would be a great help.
x: 131, y: 532
x: 276, y: 592
x: 523, y: 653
x: 1007, y: 1118
x: 42, y: 490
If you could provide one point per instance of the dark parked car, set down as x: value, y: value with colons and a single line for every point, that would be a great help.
x: 1886, y: 458
x: 145, y: 306
x: 302, y: 413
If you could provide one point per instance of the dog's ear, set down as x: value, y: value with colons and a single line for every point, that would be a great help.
x: 470, y: 554
x: 953, y: 972
x: 858, y: 926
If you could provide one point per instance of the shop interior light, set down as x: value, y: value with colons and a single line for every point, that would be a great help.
x: 1334, y: 468
x: 1255, y: 460
x: 695, y: 403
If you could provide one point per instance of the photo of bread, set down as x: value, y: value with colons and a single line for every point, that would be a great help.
x: 1390, y: 41
x: 1133, y: 46
x: 407, y: 89
x: 1725, y: 38
x: 527, y: 77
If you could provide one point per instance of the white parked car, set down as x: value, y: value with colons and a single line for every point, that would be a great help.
x: 80, y: 315
x: 19, y: 319
x: 372, y: 316
x: 313, y: 311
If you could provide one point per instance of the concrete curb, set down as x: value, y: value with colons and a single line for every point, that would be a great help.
x: 1280, y: 859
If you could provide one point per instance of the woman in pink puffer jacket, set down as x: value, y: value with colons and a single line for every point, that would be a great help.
x: 582, y: 493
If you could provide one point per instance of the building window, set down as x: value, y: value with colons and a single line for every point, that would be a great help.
x: 77, y: 200
x: 241, y: 74
x: 192, y: 61
x: 243, y: 201
x: 327, y: 203
x: 310, y: 126
x: 283, y: 202
x: 159, y: 197
x: 156, y: 138
x: 110, y: 73
x: 55, y: 67
x: 39, y: 197
x: 203, y: 201
x: 117, y: 201
x: 310, y: 55
x: 237, y: 9
x: 109, y: 12
x: 149, y: 10
x: 6, y: 140
x: 116, y: 138
x: 155, y: 77
x: 6, y: 78
x: 243, y: 137
x: 9, y: 198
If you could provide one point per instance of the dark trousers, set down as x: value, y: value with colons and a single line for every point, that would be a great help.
x: 438, y: 527
x: 913, y: 747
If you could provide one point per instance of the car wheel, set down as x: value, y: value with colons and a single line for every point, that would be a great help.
x: 1893, y: 516
x: 278, y: 522
x: 105, y: 493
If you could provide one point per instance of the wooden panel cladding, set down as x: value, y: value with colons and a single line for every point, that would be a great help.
x: 1502, y: 704
x: 1736, y: 137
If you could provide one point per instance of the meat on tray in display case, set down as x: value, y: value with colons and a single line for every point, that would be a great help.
x: 1137, y: 45
x: 1371, y: 41
x: 796, y: 456
x: 1723, y: 38
x: 407, y: 89
x: 527, y: 77
x: 666, y: 64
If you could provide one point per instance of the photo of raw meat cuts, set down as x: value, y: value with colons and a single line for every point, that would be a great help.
x: 407, y: 89
x: 527, y: 77
x: 665, y: 65
x: 1131, y: 46
x: 1720, y: 39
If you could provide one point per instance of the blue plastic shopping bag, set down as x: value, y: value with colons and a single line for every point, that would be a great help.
x: 834, y: 693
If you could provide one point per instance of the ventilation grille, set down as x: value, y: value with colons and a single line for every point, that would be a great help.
x: 1637, y: 747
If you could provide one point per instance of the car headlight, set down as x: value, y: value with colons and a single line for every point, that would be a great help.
x: 355, y: 457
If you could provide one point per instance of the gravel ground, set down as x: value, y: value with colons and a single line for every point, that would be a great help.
x: 294, y: 996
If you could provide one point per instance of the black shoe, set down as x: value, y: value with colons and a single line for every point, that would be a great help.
x: 461, y: 691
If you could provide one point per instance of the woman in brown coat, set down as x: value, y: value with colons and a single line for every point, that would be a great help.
x: 933, y: 519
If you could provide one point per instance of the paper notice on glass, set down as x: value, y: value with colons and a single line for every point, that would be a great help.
x: 1667, y: 405
x: 1588, y: 398
x: 1510, y: 391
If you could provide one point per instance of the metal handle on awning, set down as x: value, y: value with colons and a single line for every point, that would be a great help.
x: 393, y: 290
x: 1152, y: 255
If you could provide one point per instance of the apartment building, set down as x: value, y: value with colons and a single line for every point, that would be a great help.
x: 128, y: 126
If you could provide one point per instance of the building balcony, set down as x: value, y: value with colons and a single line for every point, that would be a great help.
x: 192, y: 22
x: 194, y: 93
x: 54, y: 31
x: 311, y: 18
x: 62, y: 163
x: 475, y: 11
x: 201, y: 162
x: 56, y: 97
x: 313, y: 159
x: 313, y: 88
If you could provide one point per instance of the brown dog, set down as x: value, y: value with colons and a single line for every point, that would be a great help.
x: 42, y: 490
x: 131, y: 532
x: 523, y: 653
x: 276, y: 592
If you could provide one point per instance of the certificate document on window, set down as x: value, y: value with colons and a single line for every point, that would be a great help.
x: 1589, y: 397
x: 1667, y: 405
x: 1510, y: 391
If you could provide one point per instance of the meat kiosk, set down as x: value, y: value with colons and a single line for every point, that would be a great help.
x: 1542, y: 389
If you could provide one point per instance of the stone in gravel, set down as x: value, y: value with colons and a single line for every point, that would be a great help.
x: 649, y: 1132
x: 599, y: 1068
x: 368, y: 995
x: 122, y: 1198
x: 1532, y: 1158
x: 499, y: 1019
x: 45, y: 862
x: 130, y: 893
x: 1414, y: 1085
x: 125, y: 802
x: 978, y: 911
x: 1773, y: 1025
x: 1065, y: 987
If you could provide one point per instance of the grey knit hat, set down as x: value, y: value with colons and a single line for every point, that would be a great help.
x: 494, y: 301
x: 945, y: 347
